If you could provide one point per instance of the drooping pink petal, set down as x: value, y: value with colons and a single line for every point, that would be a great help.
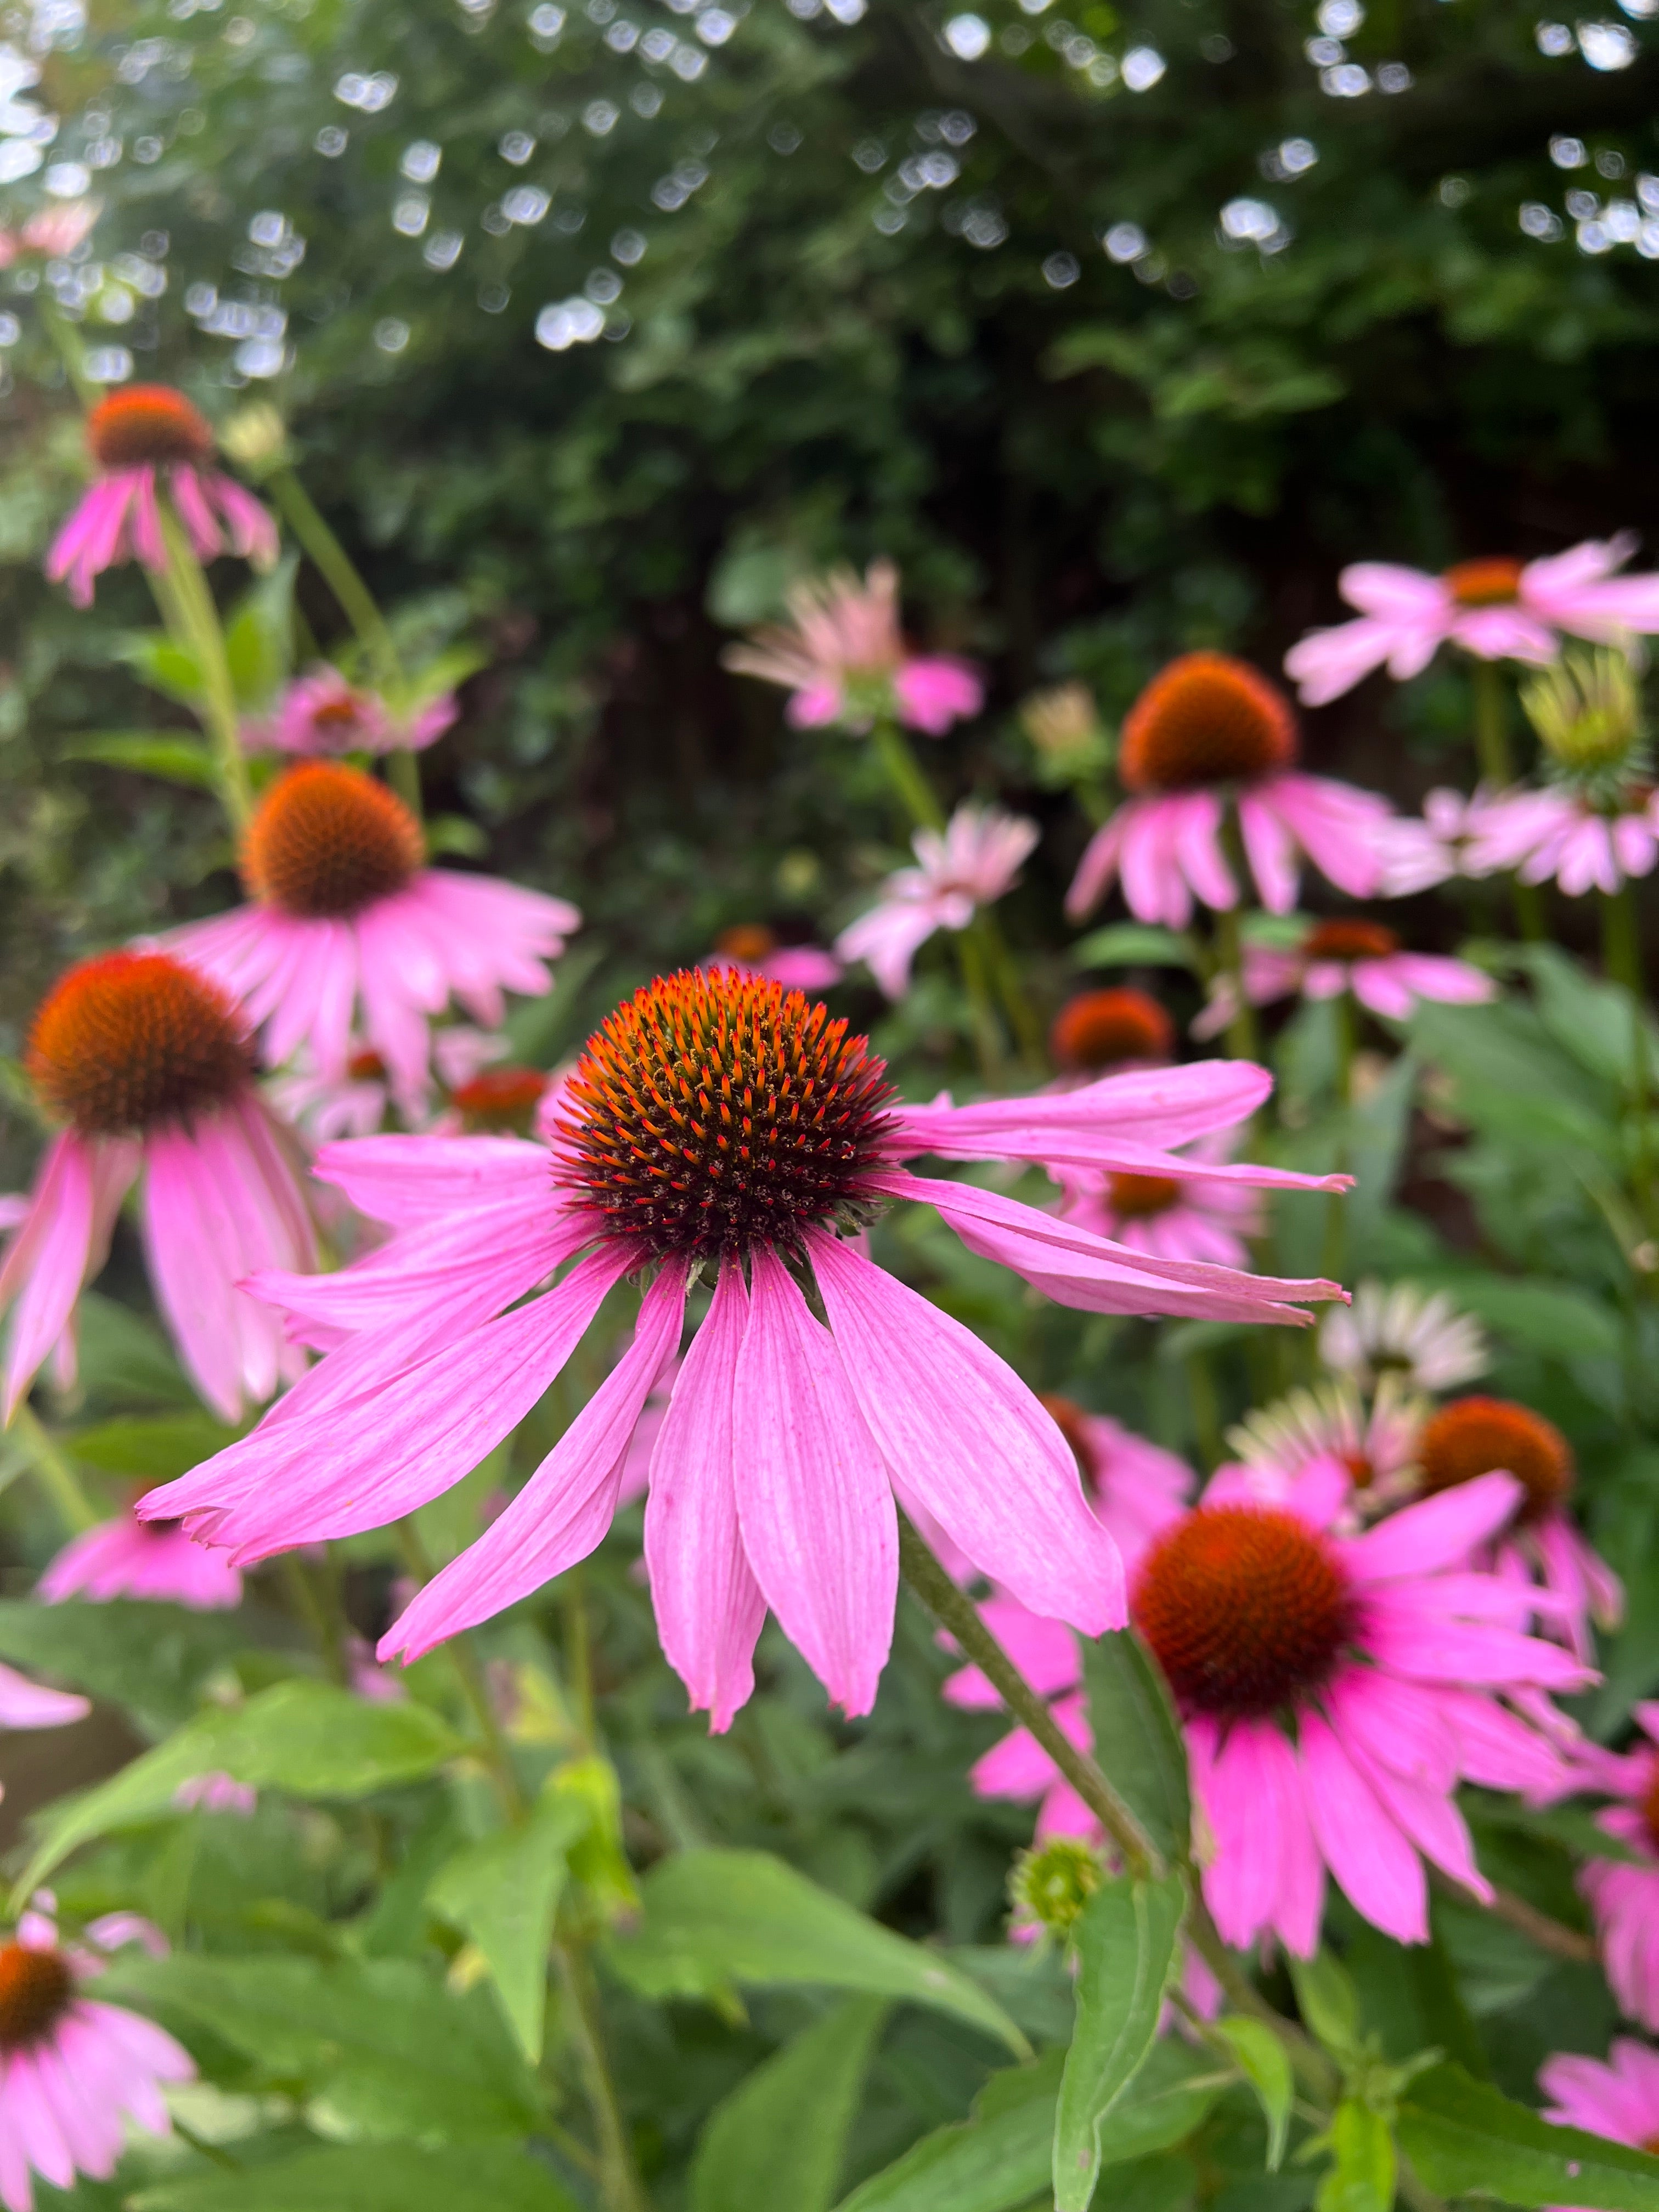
x: 1436, y: 1532
x: 1363, y: 1847
x: 403, y: 1181
x: 25, y: 1704
x: 47, y: 1262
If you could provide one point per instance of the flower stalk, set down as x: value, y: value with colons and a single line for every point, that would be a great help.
x: 57, y: 1477
x: 187, y: 609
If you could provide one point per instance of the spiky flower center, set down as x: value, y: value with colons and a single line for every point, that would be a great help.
x: 1138, y: 1197
x: 1350, y: 940
x: 327, y: 841
x: 1492, y: 581
x: 36, y: 1990
x: 147, y: 426
x: 499, y: 1100
x: 1072, y: 1422
x: 1053, y: 1883
x: 133, y: 1040
x: 344, y: 711
x: 1473, y: 1435
x: 747, y: 940
x: 1103, y: 1029
x: 1205, y: 718
x: 1246, y: 1607
x: 716, y: 1111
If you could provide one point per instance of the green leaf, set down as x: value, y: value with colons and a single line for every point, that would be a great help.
x: 1003, y: 2158
x: 1131, y: 945
x: 1362, y: 2172
x: 149, y: 1658
x: 394, y: 2177
x: 151, y: 1448
x: 1262, y: 2057
x: 1126, y: 1942
x: 170, y: 754
x: 1328, y: 2001
x: 503, y: 1893
x: 166, y: 667
x: 780, y: 2137
x: 388, y: 2049
x: 716, y: 1917
x: 453, y: 833
x: 1137, y: 1740
x: 1464, y: 2138
x: 124, y: 1360
x: 1556, y: 1319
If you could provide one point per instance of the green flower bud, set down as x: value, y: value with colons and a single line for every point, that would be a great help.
x: 256, y: 437
x: 1587, y: 710
x: 1052, y: 1884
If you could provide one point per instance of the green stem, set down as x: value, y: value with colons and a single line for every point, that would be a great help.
x: 1621, y: 958
x: 1206, y: 1420
x: 318, y: 1614
x: 957, y: 1612
x: 619, y: 2182
x: 64, y: 338
x: 1023, y: 1018
x: 1311, y: 2062
x: 57, y: 1477
x: 578, y: 1651
x: 1621, y: 944
x: 188, y: 608
x: 470, y: 1676
x: 987, y: 1029
x: 1335, y: 1259
x: 904, y: 773
x: 1242, y: 1042
x: 1491, y: 732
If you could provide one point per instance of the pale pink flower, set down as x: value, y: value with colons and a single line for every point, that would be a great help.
x: 349, y: 932
x: 972, y: 863
x: 1345, y: 954
x: 1386, y: 1650
x: 786, y: 1442
x: 1375, y: 1444
x: 131, y: 1557
x: 73, y: 2070
x: 215, y: 1792
x: 1399, y: 1329
x: 1193, y: 1219
x: 753, y: 950
x: 151, y: 1069
x: 1496, y: 608
x: 149, y: 442
x: 51, y: 232
x: 1624, y: 1898
x: 1210, y: 733
x: 1419, y: 853
x: 321, y: 713
x: 843, y: 658
x: 25, y: 1704
x: 1619, y: 2100
x: 357, y: 1103
x: 1582, y: 843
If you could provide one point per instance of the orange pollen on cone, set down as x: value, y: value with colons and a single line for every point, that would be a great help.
x: 1473, y: 1435
x: 715, y: 1112
x: 1650, y: 1807
x: 1494, y: 581
x: 500, y: 1099
x: 131, y: 1040
x: 365, y: 1067
x: 327, y: 841
x: 746, y: 940
x: 1205, y: 718
x: 1138, y: 1197
x: 1072, y: 1422
x: 1102, y: 1029
x: 1245, y: 1607
x: 147, y: 426
x: 1350, y: 940
x: 36, y: 1990
x: 1361, y: 1473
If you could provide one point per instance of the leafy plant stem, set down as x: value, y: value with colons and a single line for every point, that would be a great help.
x: 956, y: 1612
x: 188, y: 608
x: 57, y: 1477
x: 987, y: 1029
x: 904, y: 773
x: 1242, y: 1042
x: 619, y: 2183
x: 1548, y: 1935
x: 474, y: 1689
x: 1015, y: 999
x: 1312, y: 2066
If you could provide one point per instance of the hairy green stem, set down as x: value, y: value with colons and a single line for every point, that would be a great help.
x: 619, y: 2181
x: 1491, y: 730
x: 57, y: 1477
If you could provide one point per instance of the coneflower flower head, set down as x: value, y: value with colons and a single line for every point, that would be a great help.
x: 1587, y: 711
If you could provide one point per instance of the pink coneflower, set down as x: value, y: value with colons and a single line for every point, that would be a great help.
x: 715, y: 1122
x: 1209, y: 733
x: 321, y: 713
x: 149, y: 442
x: 1385, y: 1649
x: 1619, y: 2099
x: 1192, y: 1219
x: 357, y: 1103
x: 1496, y: 608
x: 347, y: 924
x: 150, y: 1068
x: 1099, y: 1030
x: 1582, y: 842
x: 1624, y: 1898
x: 73, y: 2071
x: 844, y: 660
x: 1418, y: 1335
x: 25, y: 1704
x: 1376, y: 1446
x: 1474, y: 1435
x: 51, y: 232
x: 1347, y: 955
x: 754, y: 949
x: 1451, y: 838
x: 131, y: 1557
x: 972, y: 863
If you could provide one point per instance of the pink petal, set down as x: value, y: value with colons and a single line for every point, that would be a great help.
x: 1436, y: 1532
x: 47, y: 1262
x: 405, y: 1180
x: 1363, y: 1847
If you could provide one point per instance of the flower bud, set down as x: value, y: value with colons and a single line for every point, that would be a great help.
x: 1052, y: 1884
x: 1066, y: 732
x: 1587, y: 710
x: 255, y: 438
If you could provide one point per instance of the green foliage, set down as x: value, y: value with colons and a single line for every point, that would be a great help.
x: 1138, y: 1737
x: 502, y: 1892
x: 781, y: 2138
x: 1463, y: 2137
x: 371, y: 2178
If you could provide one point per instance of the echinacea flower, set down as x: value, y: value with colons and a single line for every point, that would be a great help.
x: 131, y: 1557
x: 1474, y: 1435
x: 1455, y: 836
x: 1623, y: 1895
x: 1386, y: 1650
x: 716, y: 1121
x: 843, y: 660
x: 497, y: 1102
x: 1375, y: 1445
x: 1619, y: 2100
x: 1496, y: 608
x: 1582, y: 842
x: 1208, y: 735
x: 971, y: 864
x: 321, y: 713
x: 346, y: 925
x: 1194, y: 1218
x: 25, y: 1704
x: 1352, y: 955
x: 357, y: 1103
x: 1098, y: 1030
x: 73, y: 2070
x: 753, y: 948
x: 149, y: 1065
x: 151, y: 443
x: 1399, y: 1329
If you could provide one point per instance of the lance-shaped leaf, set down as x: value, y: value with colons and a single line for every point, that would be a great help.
x: 780, y: 2137
x: 1266, y: 2066
x: 370, y: 2177
x: 1125, y: 1942
x: 1137, y: 1738
x: 1464, y: 2137
x: 1362, y: 2169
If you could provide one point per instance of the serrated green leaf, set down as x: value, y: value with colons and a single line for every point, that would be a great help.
x: 1137, y: 1739
x: 170, y: 754
x: 713, y: 1918
x: 1134, y: 944
x: 394, y: 2177
x: 1466, y: 2138
x: 1126, y: 1940
x: 780, y: 2137
x: 502, y: 1892
x: 1266, y: 2066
